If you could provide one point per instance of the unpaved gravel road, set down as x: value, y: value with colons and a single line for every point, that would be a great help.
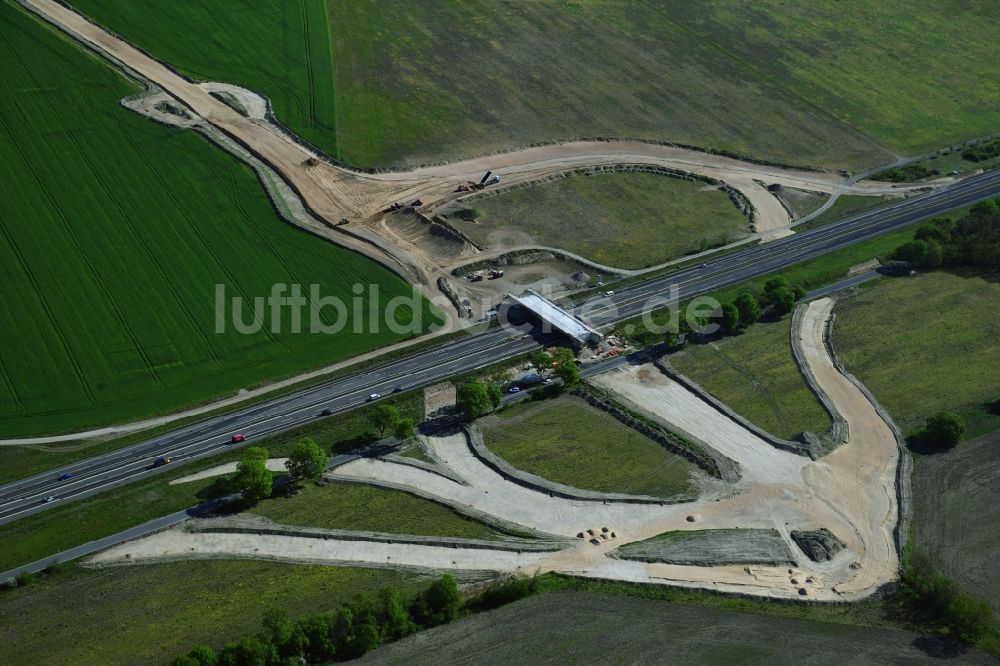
x: 335, y: 193
x: 851, y: 492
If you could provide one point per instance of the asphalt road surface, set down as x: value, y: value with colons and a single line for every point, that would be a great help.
x: 27, y: 496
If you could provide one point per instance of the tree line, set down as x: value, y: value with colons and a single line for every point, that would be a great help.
x: 478, y: 397
x: 937, y: 602
x: 971, y: 242
x: 357, y: 627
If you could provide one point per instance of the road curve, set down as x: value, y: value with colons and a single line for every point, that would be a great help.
x: 25, y: 497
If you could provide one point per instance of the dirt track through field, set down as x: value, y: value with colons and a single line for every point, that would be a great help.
x: 851, y: 492
x: 334, y: 193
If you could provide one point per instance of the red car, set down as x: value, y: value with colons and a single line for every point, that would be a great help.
x: 237, y: 438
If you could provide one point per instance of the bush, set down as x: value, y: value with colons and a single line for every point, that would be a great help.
x: 938, y: 601
x: 943, y: 430
x: 356, y: 628
x: 749, y: 308
x: 505, y: 592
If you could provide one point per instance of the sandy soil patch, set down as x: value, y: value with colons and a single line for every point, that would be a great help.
x: 439, y: 399
x: 273, y: 464
x: 177, y: 544
x: 851, y: 492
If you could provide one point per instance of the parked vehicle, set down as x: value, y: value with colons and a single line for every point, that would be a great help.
x: 514, y: 389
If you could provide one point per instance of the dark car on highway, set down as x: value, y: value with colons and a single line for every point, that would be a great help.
x: 66, y: 476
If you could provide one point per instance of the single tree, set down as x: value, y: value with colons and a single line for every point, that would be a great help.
x: 383, y: 417
x: 494, y: 392
x: 367, y: 634
x: 730, y: 319
x: 944, y: 430
x: 541, y: 360
x: 342, y: 629
x: 969, y: 618
x: 284, y: 634
x: 562, y: 355
x: 934, y: 257
x: 307, y: 460
x: 319, y: 637
x: 749, y: 308
x: 392, y: 614
x: 473, y: 399
x: 256, y: 452
x: 443, y: 600
x: 913, y: 253
x: 253, y: 478
x: 404, y: 428
x: 569, y: 373
x: 671, y: 338
x: 774, y: 284
x: 782, y: 300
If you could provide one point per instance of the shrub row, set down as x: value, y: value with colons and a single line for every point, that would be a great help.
x: 361, y: 625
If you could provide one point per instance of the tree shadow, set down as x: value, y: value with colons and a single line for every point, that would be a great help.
x: 940, y: 647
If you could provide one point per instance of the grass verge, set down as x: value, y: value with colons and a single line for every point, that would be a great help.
x: 567, y: 441
x: 62, y: 527
x: 150, y: 613
x: 925, y: 344
x: 845, y: 206
x: 625, y: 220
x: 755, y: 373
x: 350, y: 506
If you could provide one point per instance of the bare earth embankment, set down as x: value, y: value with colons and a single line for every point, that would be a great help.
x: 850, y: 492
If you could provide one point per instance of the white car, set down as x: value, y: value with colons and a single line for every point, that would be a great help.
x: 50, y: 498
x: 374, y: 396
x: 514, y: 389
x: 609, y: 293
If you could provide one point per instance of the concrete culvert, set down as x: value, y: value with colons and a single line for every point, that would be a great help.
x: 579, y: 535
x: 803, y: 592
x: 596, y: 542
x: 605, y: 529
x: 692, y: 518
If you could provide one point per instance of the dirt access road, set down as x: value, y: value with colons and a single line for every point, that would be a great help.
x: 851, y: 492
x: 334, y: 193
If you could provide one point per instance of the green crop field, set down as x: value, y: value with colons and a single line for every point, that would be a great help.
x: 756, y: 374
x: 350, y: 506
x: 116, y: 231
x: 626, y: 220
x: 568, y: 441
x: 823, y: 84
x: 583, y: 627
x: 956, y: 506
x: 925, y: 344
x: 148, y: 614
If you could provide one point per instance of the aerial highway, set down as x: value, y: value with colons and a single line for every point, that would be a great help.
x: 212, y: 435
